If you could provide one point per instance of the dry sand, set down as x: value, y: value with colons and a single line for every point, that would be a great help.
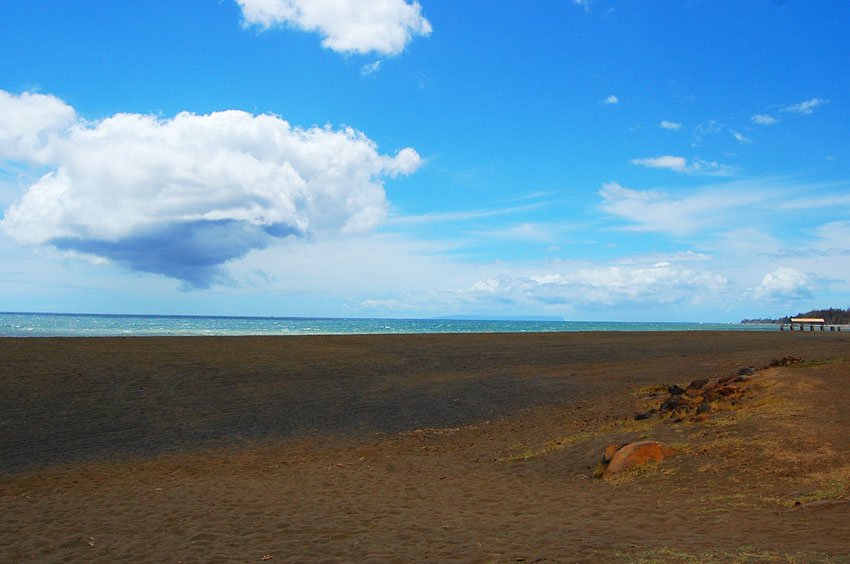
x: 428, y: 447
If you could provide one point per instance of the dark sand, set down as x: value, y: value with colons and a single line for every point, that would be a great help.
x: 436, y: 447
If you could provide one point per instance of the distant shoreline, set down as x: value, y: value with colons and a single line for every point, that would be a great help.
x: 104, y: 325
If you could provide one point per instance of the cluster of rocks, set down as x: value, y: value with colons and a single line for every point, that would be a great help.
x: 679, y: 403
x: 695, y: 400
x: 786, y: 361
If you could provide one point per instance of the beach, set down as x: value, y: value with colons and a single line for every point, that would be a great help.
x: 473, y: 447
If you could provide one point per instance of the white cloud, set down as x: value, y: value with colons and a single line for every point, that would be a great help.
x: 669, y: 125
x: 657, y: 211
x: 764, y: 119
x: 784, y: 284
x: 805, y: 108
x: 181, y: 196
x: 610, y: 100
x: 833, y: 200
x: 370, y: 68
x: 347, y: 26
x: 597, y: 286
x: 680, y: 164
x: 557, y: 288
x: 29, y: 123
x: 466, y: 215
x: 740, y: 137
x: 834, y: 235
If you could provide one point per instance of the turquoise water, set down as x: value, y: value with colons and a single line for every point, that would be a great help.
x: 75, y: 325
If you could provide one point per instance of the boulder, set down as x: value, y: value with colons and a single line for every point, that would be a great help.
x: 746, y: 371
x: 637, y: 454
x: 675, y: 390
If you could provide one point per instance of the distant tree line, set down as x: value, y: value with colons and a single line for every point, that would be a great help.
x: 832, y: 316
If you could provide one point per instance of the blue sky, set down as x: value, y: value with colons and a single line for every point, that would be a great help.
x: 599, y: 160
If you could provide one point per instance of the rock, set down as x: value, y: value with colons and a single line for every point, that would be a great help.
x: 672, y: 403
x: 637, y: 454
x: 693, y: 392
x: 746, y: 371
x: 785, y: 361
x: 698, y: 384
x: 609, y: 453
x: 726, y: 390
x: 675, y: 390
x: 703, y: 408
x: 643, y: 415
x: 711, y: 385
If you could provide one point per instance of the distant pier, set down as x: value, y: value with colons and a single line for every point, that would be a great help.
x: 808, y: 324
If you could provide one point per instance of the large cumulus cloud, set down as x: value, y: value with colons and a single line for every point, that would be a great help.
x: 181, y: 196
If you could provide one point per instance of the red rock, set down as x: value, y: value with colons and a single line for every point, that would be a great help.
x: 636, y: 454
x: 727, y: 390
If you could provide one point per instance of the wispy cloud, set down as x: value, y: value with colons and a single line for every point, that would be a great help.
x: 610, y: 100
x: 836, y: 199
x: 834, y: 235
x: 444, y: 217
x: 585, y: 4
x: 740, y: 137
x: 680, y: 164
x: 521, y: 232
x: 805, y: 108
x: 661, y: 212
x: 370, y: 68
x: 673, y: 125
x: 763, y: 119
x: 706, y: 128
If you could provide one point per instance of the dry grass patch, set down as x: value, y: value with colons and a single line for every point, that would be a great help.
x: 639, y: 429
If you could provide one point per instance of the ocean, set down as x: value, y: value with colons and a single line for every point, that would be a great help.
x: 91, y: 325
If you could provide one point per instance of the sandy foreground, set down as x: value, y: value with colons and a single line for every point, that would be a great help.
x: 427, y: 447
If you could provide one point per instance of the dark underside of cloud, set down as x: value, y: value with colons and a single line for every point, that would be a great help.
x: 192, y: 252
